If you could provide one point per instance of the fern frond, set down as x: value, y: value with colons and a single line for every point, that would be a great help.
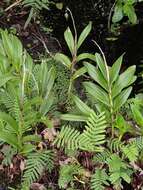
x: 90, y: 139
x: 68, y: 137
x: 102, y: 156
x: 115, y: 145
x: 138, y: 142
x: 36, y: 164
x: 94, y: 134
x: 131, y: 152
x: 36, y: 4
x: 99, y: 180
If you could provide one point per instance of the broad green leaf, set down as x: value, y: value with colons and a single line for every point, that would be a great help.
x: 124, y: 80
x: 129, y: 10
x: 63, y: 59
x: 95, y: 74
x: 84, y: 34
x: 118, y: 13
x: 27, y: 148
x: 8, y: 119
x: 85, y: 56
x: 79, y: 72
x: 82, y: 106
x: 115, y: 69
x: 121, y: 98
x: 32, y: 138
x: 51, y: 75
x: 8, y: 47
x: 101, y: 65
x: 9, y: 138
x: 73, y: 117
x: 137, y: 115
x: 69, y: 40
x: 97, y: 92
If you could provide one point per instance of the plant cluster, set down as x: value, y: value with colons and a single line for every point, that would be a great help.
x: 112, y: 138
x: 122, y: 9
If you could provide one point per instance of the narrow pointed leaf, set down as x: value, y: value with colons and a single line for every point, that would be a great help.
x: 84, y: 35
x: 72, y: 117
x: 115, y: 69
x: 101, y: 65
x: 79, y: 73
x: 84, y: 56
x: 97, y: 92
x: 121, y: 98
x: 63, y: 59
x: 96, y: 75
x: 82, y: 106
x: 69, y: 40
x: 124, y: 80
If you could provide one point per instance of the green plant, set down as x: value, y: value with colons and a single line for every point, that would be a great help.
x: 112, y: 89
x: 123, y: 126
x: 118, y: 170
x: 8, y: 153
x: 25, y: 88
x: 99, y: 179
x: 67, y: 174
x: 25, y: 100
x: 122, y: 9
x: 74, y: 43
x: 92, y: 137
x: 36, y: 164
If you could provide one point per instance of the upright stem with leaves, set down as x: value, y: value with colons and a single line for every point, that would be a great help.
x: 74, y: 43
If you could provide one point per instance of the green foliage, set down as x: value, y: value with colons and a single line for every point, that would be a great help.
x: 74, y: 44
x: 131, y: 152
x: 118, y: 170
x: 92, y: 137
x: 112, y: 89
x: 122, y: 125
x: 36, y: 164
x: 99, y: 179
x: 67, y: 174
x: 123, y: 9
x: 8, y: 153
x: 35, y: 6
x: 25, y: 88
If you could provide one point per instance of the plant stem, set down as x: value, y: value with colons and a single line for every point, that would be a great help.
x: 109, y: 87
